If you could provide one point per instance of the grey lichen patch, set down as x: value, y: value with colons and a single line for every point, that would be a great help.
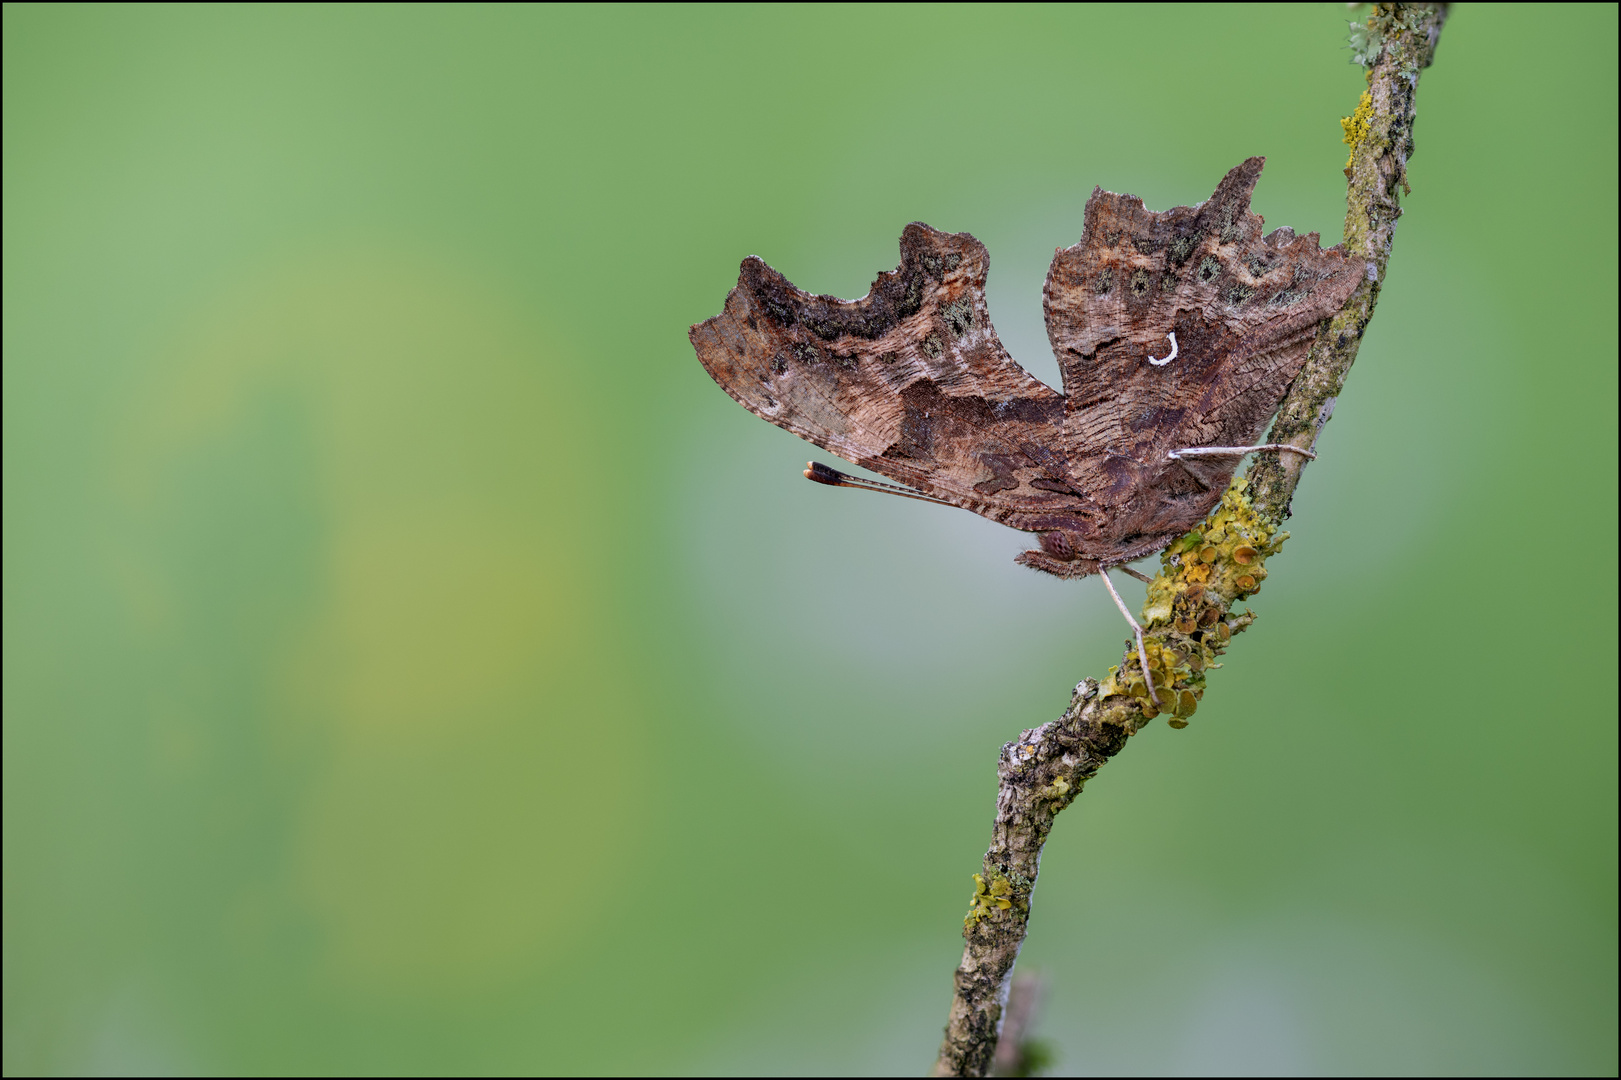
x: 1366, y: 44
x: 1297, y: 289
x: 959, y: 316
x: 1139, y: 282
x: 1209, y: 269
x: 910, y: 299
x: 824, y: 328
x: 932, y: 347
x: 1237, y: 293
x: 1104, y: 282
x: 1395, y: 23
x: 1183, y: 246
x: 938, y: 266
x: 805, y: 352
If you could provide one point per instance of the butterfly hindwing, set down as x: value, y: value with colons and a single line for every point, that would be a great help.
x: 910, y: 381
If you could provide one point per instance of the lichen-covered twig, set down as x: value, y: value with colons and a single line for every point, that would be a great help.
x: 1188, y: 619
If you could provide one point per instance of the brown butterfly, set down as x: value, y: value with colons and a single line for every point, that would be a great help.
x: 1177, y: 334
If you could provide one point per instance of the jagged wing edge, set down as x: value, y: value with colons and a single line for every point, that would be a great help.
x: 706, y: 338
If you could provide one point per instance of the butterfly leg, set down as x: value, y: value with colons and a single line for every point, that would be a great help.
x: 1142, y: 650
x: 1235, y: 451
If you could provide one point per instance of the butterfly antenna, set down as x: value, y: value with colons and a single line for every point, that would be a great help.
x: 1235, y: 451
x: 1142, y: 650
x: 823, y: 474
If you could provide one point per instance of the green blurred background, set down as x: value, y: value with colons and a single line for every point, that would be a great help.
x: 414, y: 663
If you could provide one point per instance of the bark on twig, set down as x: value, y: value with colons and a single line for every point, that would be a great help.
x: 1187, y: 620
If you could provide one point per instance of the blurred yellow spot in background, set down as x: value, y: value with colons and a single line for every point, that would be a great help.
x: 417, y: 604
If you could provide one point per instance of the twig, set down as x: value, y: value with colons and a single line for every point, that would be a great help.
x: 1017, y: 1053
x: 1187, y: 620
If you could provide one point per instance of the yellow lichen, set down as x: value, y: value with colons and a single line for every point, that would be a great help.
x: 1186, y: 619
x: 1357, y: 125
x: 990, y: 900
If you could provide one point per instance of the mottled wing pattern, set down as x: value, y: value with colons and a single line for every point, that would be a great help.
x: 1244, y: 308
x: 909, y: 381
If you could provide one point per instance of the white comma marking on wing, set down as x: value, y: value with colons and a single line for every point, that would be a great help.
x: 1168, y: 359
